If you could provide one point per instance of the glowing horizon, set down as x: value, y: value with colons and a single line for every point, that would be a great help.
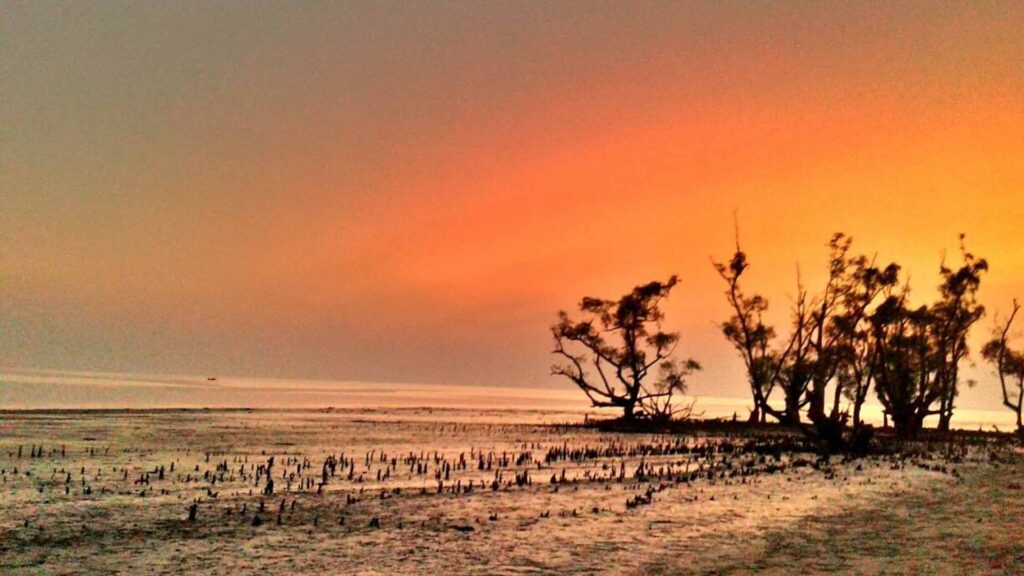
x: 411, y: 193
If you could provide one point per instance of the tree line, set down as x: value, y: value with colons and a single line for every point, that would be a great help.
x: 856, y: 334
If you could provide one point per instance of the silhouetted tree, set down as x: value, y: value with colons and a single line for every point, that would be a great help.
x: 1009, y: 365
x: 798, y: 361
x: 954, y: 314
x: 918, y: 351
x: 863, y: 283
x: 825, y: 340
x: 856, y: 333
x: 904, y: 362
x: 838, y: 338
x: 661, y: 406
x: 622, y: 342
x: 752, y: 338
x: 827, y: 355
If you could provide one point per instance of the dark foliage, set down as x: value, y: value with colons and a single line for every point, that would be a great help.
x: 611, y: 353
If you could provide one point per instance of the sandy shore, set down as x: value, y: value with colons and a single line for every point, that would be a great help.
x: 93, y: 500
x: 971, y: 527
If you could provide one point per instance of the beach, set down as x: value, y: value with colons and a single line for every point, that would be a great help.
x: 424, y: 490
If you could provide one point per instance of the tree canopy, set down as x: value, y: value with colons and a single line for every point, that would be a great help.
x: 619, y: 355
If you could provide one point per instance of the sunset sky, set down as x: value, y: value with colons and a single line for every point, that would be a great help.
x: 410, y: 191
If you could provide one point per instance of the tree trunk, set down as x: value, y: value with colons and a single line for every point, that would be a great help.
x: 755, y: 415
x: 837, y: 399
x: 904, y: 428
x: 946, y: 410
x: 628, y: 412
x: 790, y: 418
x: 907, y: 423
x: 792, y: 415
x: 816, y: 409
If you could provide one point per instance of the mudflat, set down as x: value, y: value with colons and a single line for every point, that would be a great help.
x: 457, y: 491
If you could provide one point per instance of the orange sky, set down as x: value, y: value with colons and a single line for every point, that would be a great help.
x: 410, y: 193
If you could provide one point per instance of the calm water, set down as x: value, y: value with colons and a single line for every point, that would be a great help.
x: 33, y: 389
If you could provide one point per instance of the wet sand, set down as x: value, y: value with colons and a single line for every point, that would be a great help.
x: 425, y: 491
x: 971, y: 527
